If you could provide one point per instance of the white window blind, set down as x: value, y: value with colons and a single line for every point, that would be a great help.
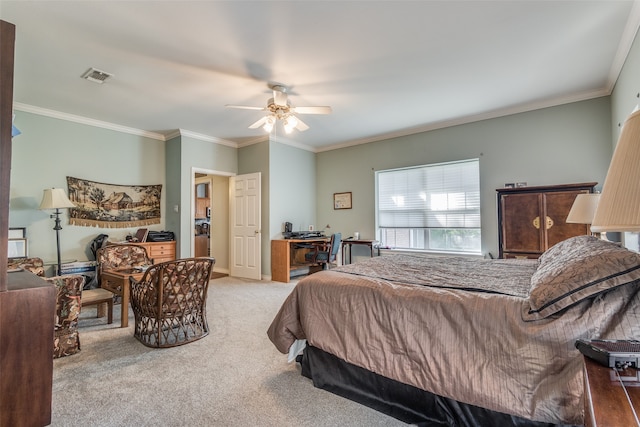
x: 439, y: 196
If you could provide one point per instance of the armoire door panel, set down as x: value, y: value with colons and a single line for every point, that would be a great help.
x: 557, y: 205
x: 521, y: 229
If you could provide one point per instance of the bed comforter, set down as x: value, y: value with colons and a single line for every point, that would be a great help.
x: 498, y: 334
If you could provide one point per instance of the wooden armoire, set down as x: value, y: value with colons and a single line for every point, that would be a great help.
x: 532, y: 219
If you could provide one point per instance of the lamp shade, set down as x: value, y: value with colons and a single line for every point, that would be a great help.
x: 619, y: 205
x: 583, y: 208
x: 55, y: 198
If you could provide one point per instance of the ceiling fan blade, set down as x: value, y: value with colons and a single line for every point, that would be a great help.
x: 259, y: 123
x: 245, y: 107
x: 311, y: 110
x: 301, y: 126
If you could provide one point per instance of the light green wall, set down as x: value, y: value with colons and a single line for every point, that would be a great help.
x: 288, y: 189
x: 292, y: 189
x: 626, y: 93
x: 195, y: 153
x: 49, y: 150
x: 565, y: 144
x: 172, y: 197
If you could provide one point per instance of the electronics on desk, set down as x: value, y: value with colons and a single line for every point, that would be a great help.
x: 303, y: 234
x: 619, y: 354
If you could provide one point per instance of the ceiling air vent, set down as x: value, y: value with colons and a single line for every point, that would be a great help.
x: 96, y: 76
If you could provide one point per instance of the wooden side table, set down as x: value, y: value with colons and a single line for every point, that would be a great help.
x: 117, y: 281
x: 350, y: 242
x: 611, y: 398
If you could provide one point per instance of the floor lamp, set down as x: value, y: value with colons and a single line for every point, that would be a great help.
x: 55, y: 198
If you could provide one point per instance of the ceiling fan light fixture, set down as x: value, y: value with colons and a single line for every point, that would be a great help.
x: 279, y: 108
x: 290, y: 124
x: 268, y: 124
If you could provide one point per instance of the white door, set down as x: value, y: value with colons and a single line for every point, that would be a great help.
x: 246, y: 242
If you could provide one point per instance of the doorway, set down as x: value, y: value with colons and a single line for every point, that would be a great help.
x: 213, y: 228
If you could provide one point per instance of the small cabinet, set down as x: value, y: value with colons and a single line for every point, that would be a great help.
x: 532, y: 219
x: 201, y: 245
x: 160, y: 251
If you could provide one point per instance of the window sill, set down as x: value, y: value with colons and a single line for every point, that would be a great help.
x: 429, y: 252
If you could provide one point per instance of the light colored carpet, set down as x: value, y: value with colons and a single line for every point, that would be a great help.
x: 232, y: 377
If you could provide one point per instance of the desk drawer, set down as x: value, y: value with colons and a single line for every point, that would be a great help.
x: 160, y: 251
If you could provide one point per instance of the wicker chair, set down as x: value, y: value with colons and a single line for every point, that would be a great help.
x: 68, y: 304
x: 169, y: 302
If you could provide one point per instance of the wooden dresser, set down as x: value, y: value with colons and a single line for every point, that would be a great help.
x: 160, y: 251
x: 26, y: 350
x: 532, y: 219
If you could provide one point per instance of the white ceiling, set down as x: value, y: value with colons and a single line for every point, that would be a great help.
x: 386, y: 67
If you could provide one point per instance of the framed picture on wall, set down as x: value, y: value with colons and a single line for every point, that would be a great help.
x: 17, y: 233
x: 17, y: 248
x: 342, y: 200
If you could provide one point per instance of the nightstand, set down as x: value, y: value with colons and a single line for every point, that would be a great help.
x: 611, y: 399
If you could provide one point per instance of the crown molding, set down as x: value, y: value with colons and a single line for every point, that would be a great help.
x: 202, y: 137
x: 474, y: 118
x: 624, y: 47
x: 86, y: 121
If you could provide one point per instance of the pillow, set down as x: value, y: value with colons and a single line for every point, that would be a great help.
x: 579, y: 268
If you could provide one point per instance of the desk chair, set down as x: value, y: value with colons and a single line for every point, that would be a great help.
x: 325, y: 253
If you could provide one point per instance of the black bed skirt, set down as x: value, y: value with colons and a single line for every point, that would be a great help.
x: 401, y: 401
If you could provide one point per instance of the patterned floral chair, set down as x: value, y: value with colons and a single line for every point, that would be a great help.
x: 117, y: 256
x: 34, y: 265
x: 169, y: 302
x: 68, y: 303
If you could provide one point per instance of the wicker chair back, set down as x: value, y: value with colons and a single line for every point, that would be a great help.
x: 169, y: 302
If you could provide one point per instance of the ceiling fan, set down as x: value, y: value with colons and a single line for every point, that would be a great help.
x: 279, y: 108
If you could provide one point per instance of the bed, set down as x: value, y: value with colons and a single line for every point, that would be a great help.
x: 462, y: 341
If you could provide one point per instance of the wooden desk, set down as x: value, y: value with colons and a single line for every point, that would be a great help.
x: 350, y: 242
x: 285, y: 257
x: 605, y: 396
x: 117, y: 281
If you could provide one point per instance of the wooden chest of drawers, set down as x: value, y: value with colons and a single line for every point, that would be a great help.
x: 160, y: 251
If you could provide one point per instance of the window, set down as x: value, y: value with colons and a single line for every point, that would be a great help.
x: 431, y: 207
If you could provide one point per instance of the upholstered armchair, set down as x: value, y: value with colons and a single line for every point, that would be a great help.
x: 169, y: 302
x: 118, y: 256
x: 68, y: 304
x: 324, y: 253
x: 33, y: 264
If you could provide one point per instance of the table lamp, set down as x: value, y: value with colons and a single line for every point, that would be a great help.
x: 619, y: 205
x: 55, y: 198
x: 583, y: 210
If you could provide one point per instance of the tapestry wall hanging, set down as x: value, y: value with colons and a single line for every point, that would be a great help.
x: 113, y: 206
